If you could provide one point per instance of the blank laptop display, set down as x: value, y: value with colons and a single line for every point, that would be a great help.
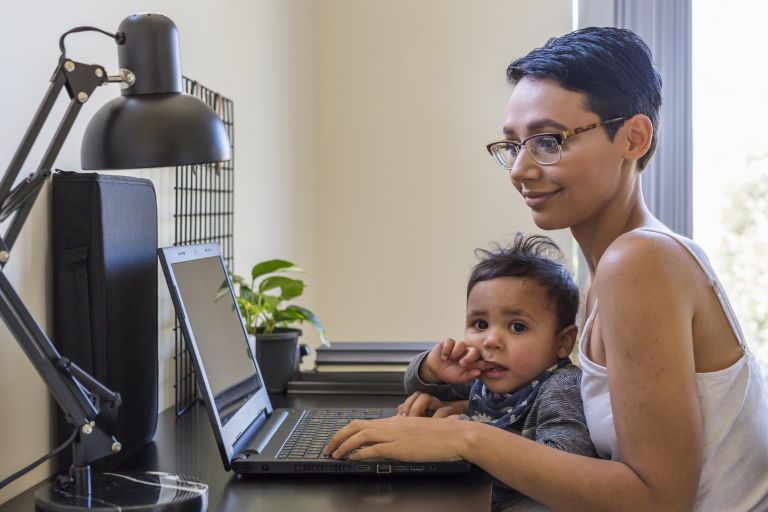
x: 251, y: 435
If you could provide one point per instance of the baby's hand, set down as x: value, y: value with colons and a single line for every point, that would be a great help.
x: 451, y: 361
x: 424, y: 404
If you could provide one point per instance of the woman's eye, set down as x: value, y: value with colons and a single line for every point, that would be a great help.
x: 518, y: 327
x: 480, y: 324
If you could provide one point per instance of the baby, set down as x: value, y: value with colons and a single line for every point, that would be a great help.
x: 512, y: 369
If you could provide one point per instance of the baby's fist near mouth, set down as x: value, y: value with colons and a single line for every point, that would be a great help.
x: 479, y: 365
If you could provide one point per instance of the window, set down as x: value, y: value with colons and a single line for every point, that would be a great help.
x: 730, y: 156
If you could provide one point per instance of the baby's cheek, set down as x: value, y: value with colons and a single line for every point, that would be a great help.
x: 518, y: 360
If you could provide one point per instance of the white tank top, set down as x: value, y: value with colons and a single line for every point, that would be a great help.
x: 734, y: 410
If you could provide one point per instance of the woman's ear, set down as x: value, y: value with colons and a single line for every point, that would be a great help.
x: 566, y: 339
x: 639, y: 132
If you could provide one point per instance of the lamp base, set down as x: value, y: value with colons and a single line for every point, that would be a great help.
x: 142, y: 491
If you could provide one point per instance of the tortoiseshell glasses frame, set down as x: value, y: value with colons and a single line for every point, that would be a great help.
x: 544, y: 148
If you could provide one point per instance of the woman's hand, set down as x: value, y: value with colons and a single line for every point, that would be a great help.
x: 424, y: 404
x: 402, y: 438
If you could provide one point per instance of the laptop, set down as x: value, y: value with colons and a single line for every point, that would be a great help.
x: 251, y: 435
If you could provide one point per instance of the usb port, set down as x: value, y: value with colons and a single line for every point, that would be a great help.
x: 362, y: 467
x: 383, y: 468
x: 417, y: 467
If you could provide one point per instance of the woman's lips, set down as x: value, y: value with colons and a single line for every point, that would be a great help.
x: 536, y: 199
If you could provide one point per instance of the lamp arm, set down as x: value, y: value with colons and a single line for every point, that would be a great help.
x: 57, y: 83
x: 80, y: 80
x: 82, y: 398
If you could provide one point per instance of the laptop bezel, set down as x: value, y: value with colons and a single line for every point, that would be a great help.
x: 258, y: 407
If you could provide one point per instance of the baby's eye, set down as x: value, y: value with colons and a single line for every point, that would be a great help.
x: 480, y: 324
x: 518, y: 327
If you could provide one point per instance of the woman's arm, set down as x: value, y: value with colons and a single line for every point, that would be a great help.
x: 643, y: 285
x: 645, y: 324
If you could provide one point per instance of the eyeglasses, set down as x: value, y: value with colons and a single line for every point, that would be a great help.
x: 544, y: 148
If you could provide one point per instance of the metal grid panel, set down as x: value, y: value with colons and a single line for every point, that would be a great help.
x: 204, y: 213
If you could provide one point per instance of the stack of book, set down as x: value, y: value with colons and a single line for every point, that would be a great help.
x: 359, y: 368
x: 369, y: 356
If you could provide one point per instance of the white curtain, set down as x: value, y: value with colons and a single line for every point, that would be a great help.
x: 666, y: 26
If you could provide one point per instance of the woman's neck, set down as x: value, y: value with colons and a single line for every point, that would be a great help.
x: 626, y: 213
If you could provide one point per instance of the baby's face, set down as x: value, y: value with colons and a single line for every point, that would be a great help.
x: 511, y: 323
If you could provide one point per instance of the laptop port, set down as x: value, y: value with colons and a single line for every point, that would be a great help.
x: 383, y: 468
x: 417, y: 467
x: 362, y: 467
x: 401, y: 468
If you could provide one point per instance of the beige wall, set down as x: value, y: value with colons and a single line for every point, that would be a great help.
x: 336, y: 102
x: 408, y: 95
x: 253, y: 52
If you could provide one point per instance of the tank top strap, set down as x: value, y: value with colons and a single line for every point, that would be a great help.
x: 586, y: 331
x: 706, y: 267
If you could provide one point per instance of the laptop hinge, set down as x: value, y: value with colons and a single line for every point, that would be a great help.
x: 266, y: 431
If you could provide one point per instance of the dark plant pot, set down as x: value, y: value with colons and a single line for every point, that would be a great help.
x: 279, y: 356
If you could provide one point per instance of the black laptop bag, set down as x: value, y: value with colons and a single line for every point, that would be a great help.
x: 105, y: 295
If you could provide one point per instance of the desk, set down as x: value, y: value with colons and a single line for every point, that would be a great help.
x: 186, y: 445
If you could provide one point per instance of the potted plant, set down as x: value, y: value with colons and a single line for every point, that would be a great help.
x: 268, y: 316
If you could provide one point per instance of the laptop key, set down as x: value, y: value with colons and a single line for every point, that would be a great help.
x: 316, y: 428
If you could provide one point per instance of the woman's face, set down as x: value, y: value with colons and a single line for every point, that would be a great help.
x: 587, y: 180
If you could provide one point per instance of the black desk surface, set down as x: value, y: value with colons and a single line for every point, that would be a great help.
x: 186, y: 445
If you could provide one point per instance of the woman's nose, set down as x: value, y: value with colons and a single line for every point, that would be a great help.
x: 525, y: 168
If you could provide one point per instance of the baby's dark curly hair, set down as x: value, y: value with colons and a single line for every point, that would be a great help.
x: 534, y: 257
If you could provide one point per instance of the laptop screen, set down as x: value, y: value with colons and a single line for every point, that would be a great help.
x: 215, y: 321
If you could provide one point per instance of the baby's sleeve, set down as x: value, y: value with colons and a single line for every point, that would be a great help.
x: 443, y: 391
x: 557, y: 418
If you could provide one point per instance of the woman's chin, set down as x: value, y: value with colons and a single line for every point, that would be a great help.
x: 549, y: 222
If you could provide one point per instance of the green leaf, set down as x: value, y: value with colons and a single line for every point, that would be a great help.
x: 236, y: 280
x: 289, y: 315
x: 289, y: 288
x: 270, y: 266
x: 310, y: 316
x: 270, y: 302
x: 262, y: 308
x: 240, y: 285
x: 247, y: 294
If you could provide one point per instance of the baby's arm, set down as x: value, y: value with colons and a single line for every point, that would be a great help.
x: 452, y: 362
x: 440, y: 373
x: 558, y: 414
x: 430, y: 396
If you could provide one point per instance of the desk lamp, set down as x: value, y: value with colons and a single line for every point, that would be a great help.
x: 152, y: 124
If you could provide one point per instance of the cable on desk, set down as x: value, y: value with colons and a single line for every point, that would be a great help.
x: 39, y: 461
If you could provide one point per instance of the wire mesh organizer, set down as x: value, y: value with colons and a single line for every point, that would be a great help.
x: 204, y: 213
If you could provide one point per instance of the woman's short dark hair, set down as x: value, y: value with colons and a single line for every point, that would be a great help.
x: 611, y: 66
x: 531, y: 257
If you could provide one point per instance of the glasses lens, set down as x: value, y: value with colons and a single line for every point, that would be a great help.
x: 504, y: 153
x: 545, y: 149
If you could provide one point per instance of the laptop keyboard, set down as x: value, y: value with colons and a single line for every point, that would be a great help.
x: 316, y: 428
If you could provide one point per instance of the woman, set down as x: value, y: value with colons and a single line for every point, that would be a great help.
x: 674, y: 401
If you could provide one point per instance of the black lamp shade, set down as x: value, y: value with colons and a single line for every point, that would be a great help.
x: 154, y: 130
x: 153, y: 124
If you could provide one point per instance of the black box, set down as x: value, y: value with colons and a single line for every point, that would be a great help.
x: 105, y: 295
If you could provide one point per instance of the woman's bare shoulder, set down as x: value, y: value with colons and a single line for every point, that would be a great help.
x: 645, y: 254
x: 644, y: 270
